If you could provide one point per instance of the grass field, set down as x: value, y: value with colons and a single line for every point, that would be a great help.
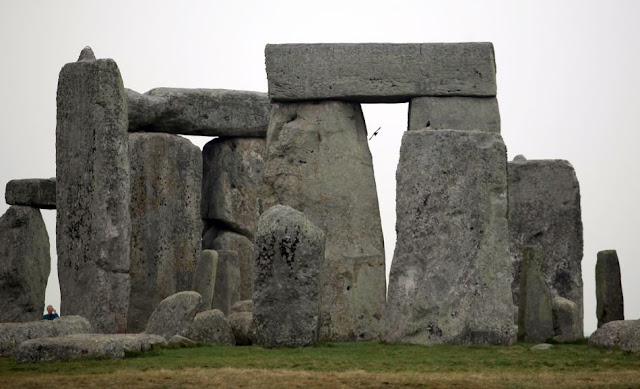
x: 341, y: 365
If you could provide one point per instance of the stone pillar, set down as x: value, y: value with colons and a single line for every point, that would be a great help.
x: 450, y: 277
x: 227, y: 286
x: 535, y: 319
x: 204, y: 279
x: 93, y: 193
x: 244, y: 247
x: 318, y: 162
x: 609, y: 298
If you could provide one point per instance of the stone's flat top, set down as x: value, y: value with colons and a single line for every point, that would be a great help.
x: 32, y: 192
x: 454, y: 113
x: 379, y: 72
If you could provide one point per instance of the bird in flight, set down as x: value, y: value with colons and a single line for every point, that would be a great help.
x: 375, y: 133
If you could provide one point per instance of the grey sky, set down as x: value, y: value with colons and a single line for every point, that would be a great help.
x: 568, y: 83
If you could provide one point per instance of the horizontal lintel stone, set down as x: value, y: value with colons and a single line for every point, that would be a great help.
x: 32, y: 192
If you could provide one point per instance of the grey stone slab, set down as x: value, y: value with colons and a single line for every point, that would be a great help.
x: 174, y: 315
x: 566, y: 325
x: 204, y: 278
x: 318, y: 162
x: 12, y: 334
x: 535, y: 313
x: 243, y: 246
x: 611, y: 334
x: 609, y: 297
x: 242, y: 306
x: 211, y: 326
x: 243, y: 328
x: 208, y: 112
x: 93, y: 229
x: 227, y: 286
x: 450, y: 277
x: 379, y: 72
x: 32, y: 192
x: 454, y: 113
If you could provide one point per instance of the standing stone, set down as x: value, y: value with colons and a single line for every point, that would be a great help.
x: 204, y: 279
x: 535, y: 318
x: 93, y: 193
x: 227, y: 285
x: 455, y: 113
x: 318, y: 162
x: 244, y: 247
x: 450, y: 277
x: 24, y: 264
x: 289, y: 256
x: 32, y: 192
x: 565, y: 320
x: 544, y: 212
x: 609, y: 298
x: 166, y: 179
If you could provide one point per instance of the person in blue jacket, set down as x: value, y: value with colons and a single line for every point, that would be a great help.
x: 51, y: 313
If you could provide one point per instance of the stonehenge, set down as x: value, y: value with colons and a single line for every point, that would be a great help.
x: 609, y: 298
x: 35, y: 192
x: 535, y: 312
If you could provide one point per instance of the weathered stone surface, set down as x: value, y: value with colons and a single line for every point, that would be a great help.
x: 87, y: 54
x: 544, y: 212
x: 175, y: 314
x: 204, y: 279
x: 455, y: 113
x: 84, y: 346
x: 379, y: 72
x: 617, y: 332
x: 25, y: 263
x: 324, y: 146
x: 565, y: 320
x: 12, y: 334
x: 630, y: 338
x: 242, y: 306
x: 244, y: 247
x: 243, y: 328
x: 542, y: 346
x: 181, y: 341
x: 450, y: 277
x: 227, y: 286
x: 288, y: 263
x: 166, y: 228
x: 535, y: 315
x: 32, y: 192
x: 208, y: 112
x: 93, y: 193
x: 609, y: 298
x: 232, y: 181
x: 211, y: 326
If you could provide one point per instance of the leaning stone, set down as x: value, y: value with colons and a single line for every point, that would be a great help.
x: 24, y: 264
x: 204, y: 279
x: 535, y: 314
x: 242, y: 306
x: 544, y: 212
x: 227, y: 286
x: 450, y: 277
x: 609, y: 298
x: 227, y: 240
x: 12, y: 334
x: 565, y: 320
x: 324, y: 145
x: 93, y: 227
x: 208, y: 112
x: 181, y: 341
x: 454, y: 113
x: 243, y: 328
x: 542, y: 346
x: 609, y: 334
x: 211, y: 326
x: 175, y: 314
x: 33, y: 192
x: 166, y: 228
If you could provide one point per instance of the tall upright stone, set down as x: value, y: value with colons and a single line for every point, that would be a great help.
x: 609, y: 298
x: 544, y: 212
x: 535, y: 317
x: 227, y: 286
x: 450, y: 277
x: 166, y: 181
x: 24, y: 264
x: 227, y: 240
x: 93, y: 193
x: 204, y: 279
x: 318, y: 162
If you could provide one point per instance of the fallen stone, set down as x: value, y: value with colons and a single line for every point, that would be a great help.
x: 181, y: 341
x: 535, y: 314
x: 324, y: 145
x: 454, y: 113
x: 565, y: 320
x: 610, y: 334
x: 630, y: 338
x: 166, y: 228
x: 609, y: 298
x: 82, y: 346
x: 93, y: 229
x: 208, y: 112
x: 243, y: 328
x: 244, y: 247
x: 542, y: 346
x: 174, y: 315
x: 212, y: 327
x: 24, y: 264
x: 242, y: 306
x: 204, y: 279
x: 227, y: 286
x: 379, y: 72
x: 33, y: 192
x: 12, y: 334
x: 450, y: 276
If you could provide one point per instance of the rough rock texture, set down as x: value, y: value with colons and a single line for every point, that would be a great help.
x: 25, y: 263
x: 166, y: 228
x: 324, y: 146
x: 630, y: 338
x: 231, y: 183
x: 450, y: 277
x: 565, y: 320
x: 619, y: 333
x: 84, y: 346
x: 244, y: 247
x: 455, y: 113
x: 181, y: 341
x: 243, y: 328
x: 227, y: 286
x: 242, y: 306
x: 211, y: 326
x: 204, y: 279
x: 92, y: 194
x: 32, y: 192
x: 288, y: 263
x: 379, y: 72
x: 175, y: 314
x: 535, y: 317
x: 208, y: 112
x: 542, y: 346
x: 544, y: 212
x: 12, y: 334
x: 609, y: 298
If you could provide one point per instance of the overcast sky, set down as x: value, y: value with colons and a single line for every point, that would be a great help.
x: 568, y: 84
